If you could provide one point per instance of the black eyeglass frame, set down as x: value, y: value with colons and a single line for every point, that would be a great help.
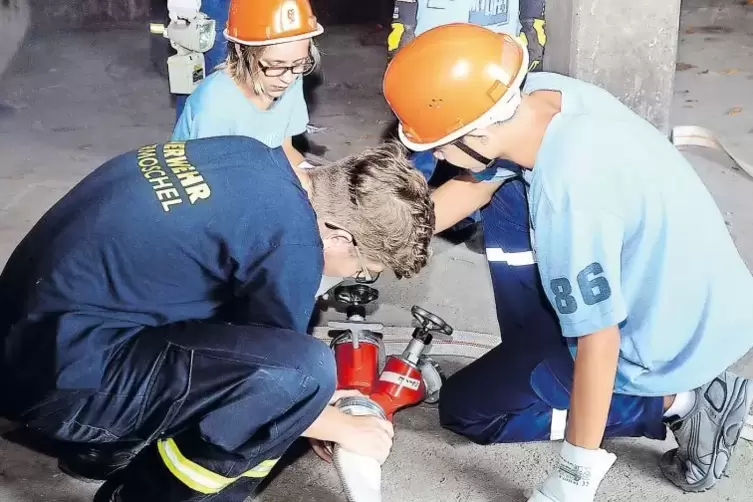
x: 364, y: 276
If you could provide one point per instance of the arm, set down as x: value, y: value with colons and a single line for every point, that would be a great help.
x: 404, y: 20
x: 459, y: 198
x: 276, y: 287
x: 294, y: 156
x: 297, y: 123
x: 595, y: 370
x: 579, y: 257
x: 328, y: 427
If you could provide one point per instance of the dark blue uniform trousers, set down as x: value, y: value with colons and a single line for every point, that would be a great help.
x: 214, y: 405
x: 520, y: 390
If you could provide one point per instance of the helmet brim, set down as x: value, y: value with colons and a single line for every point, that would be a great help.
x: 260, y: 43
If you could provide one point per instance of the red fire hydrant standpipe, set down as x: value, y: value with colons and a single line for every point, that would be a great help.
x: 403, y: 380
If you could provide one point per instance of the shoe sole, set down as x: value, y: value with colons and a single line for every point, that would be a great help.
x: 739, y: 398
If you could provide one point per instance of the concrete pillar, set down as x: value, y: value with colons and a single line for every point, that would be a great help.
x: 628, y: 48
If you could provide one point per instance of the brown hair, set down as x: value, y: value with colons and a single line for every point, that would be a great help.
x: 242, y: 62
x: 383, y: 201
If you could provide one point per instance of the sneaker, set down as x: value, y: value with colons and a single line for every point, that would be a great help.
x: 707, y: 435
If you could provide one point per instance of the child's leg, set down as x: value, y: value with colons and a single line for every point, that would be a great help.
x: 522, y: 393
x: 519, y: 391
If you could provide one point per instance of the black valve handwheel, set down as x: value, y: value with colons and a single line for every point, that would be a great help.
x: 355, y: 294
x: 431, y: 322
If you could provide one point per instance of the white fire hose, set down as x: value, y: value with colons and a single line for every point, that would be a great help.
x: 361, y: 476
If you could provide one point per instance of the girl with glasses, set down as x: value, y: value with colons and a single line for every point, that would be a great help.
x: 258, y: 90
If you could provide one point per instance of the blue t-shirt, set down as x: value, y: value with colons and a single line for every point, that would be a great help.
x: 625, y: 233
x: 200, y: 230
x: 219, y: 108
x: 501, y: 16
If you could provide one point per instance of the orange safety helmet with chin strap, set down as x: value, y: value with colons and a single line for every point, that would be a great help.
x: 452, y: 80
x: 267, y: 22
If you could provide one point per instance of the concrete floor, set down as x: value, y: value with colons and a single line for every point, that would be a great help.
x: 70, y: 100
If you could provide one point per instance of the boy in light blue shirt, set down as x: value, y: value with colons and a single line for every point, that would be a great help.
x: 626, y: 245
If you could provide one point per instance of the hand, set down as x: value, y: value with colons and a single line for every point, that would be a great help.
x: 323, y: 449
x: 579, y: 473
x: 367, y: 435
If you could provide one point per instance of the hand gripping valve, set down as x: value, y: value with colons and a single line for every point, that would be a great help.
x: 401, y: 381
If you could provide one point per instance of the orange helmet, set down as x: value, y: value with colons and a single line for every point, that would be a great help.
x: 266, y: 22
x: 452, y: 80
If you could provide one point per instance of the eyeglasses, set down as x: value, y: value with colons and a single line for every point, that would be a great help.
x: 363, y: 276
x: 278, y: 71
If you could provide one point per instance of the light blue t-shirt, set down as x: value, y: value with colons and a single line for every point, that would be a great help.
x: 625, y: 233
x: 219, y: 108
x: 501, y: 16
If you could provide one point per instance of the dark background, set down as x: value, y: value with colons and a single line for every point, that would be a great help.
x: 52, y: 14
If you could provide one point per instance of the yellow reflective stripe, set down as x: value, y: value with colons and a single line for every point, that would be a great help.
x: 393, y: 40
x: 523, y: 38
x: 260, y: 470
x: 199, y: 478
x: 190, y: 473
x: 539, y: 25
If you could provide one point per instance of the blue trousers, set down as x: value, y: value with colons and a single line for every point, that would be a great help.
x: 230, y: 397
x: 217, y: 10
x: 520, y: 390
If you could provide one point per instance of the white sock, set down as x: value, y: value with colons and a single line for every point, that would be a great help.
x: 684, y: 402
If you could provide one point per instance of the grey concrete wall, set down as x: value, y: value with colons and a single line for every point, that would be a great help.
x: 629, y: 48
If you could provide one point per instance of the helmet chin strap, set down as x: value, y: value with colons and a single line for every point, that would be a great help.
x: 473, y: 153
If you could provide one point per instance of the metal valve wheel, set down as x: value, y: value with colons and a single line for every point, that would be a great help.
x: 431, y: 322
x: 355, y: 294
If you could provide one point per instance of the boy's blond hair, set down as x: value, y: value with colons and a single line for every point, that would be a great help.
x: 380, y: 198
x: 242, y: 63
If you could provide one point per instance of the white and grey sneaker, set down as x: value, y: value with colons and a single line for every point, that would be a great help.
x: 707, y: 436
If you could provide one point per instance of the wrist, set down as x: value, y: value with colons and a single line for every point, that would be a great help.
x: 574, y: 451
x: 341, y: 425
x: 585, y: 457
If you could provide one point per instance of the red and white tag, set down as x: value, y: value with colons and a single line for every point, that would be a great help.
x: 398, y: 379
